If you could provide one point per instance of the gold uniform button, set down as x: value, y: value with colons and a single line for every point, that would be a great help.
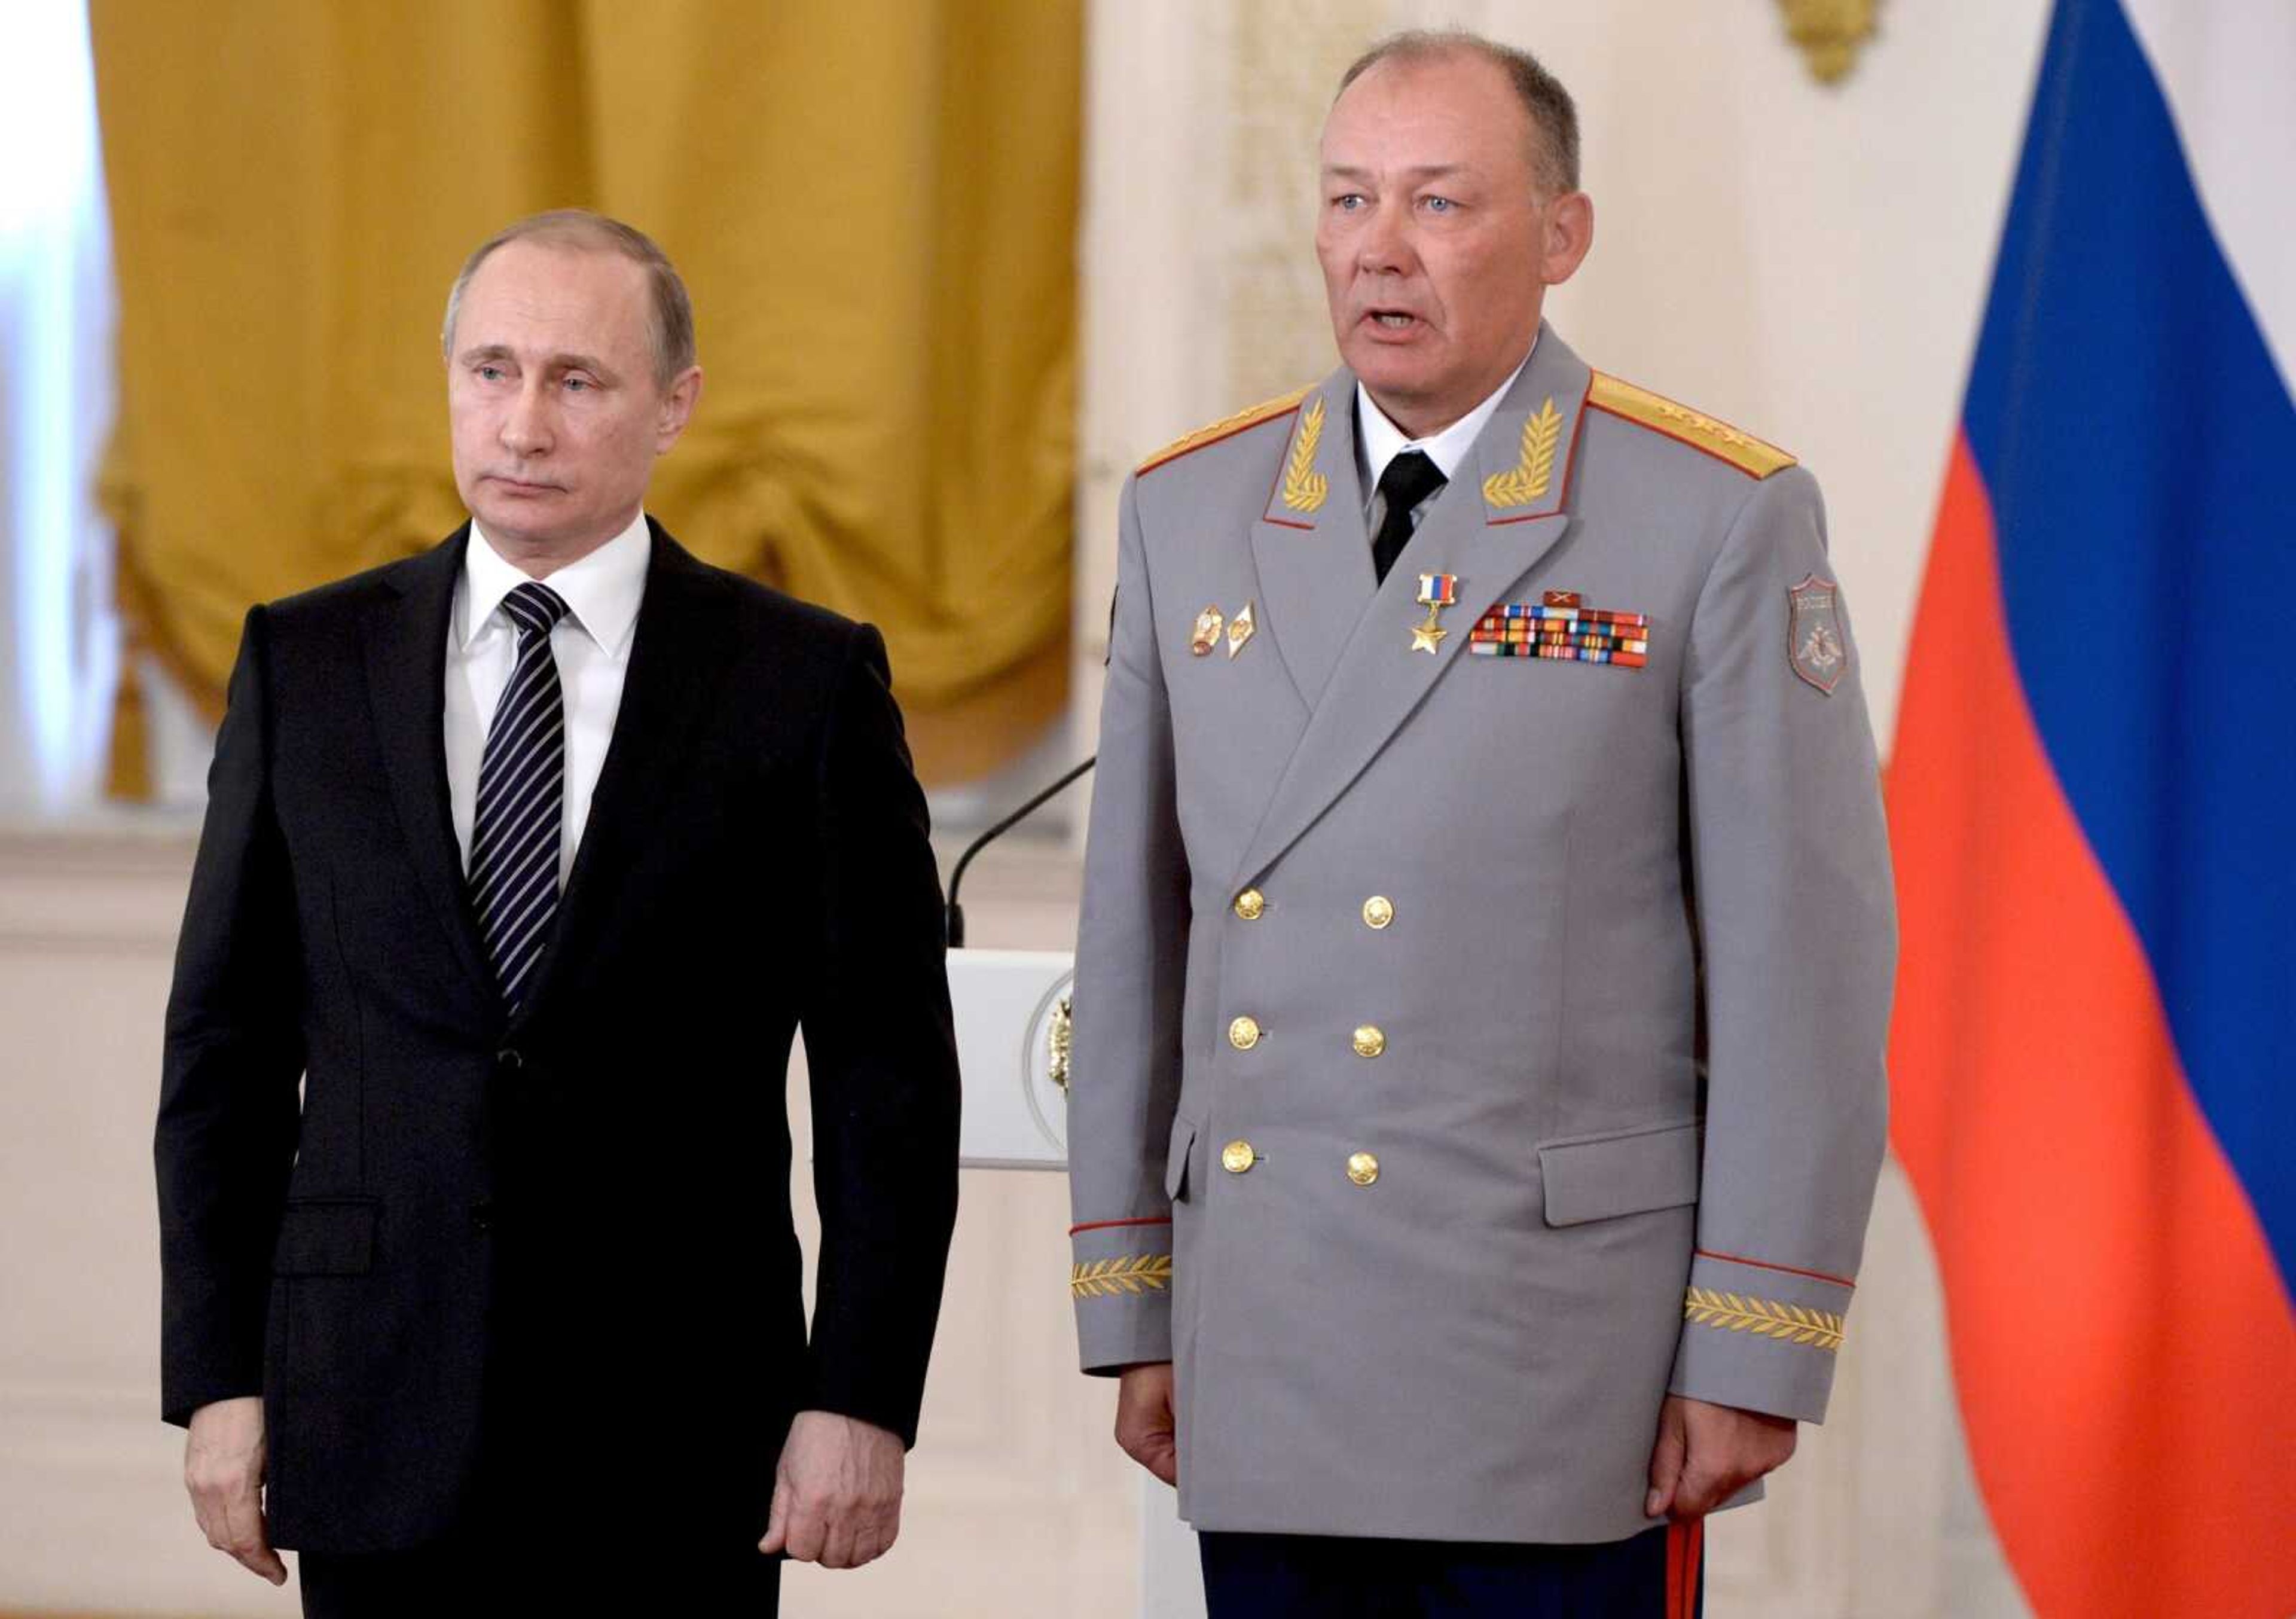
x: 1370, y: 1040
x: 1244, y: 1033
x: 1237, y: 1156
x: 1363, y: 1169
x: 1379, y: 910
x: 1250, y: 904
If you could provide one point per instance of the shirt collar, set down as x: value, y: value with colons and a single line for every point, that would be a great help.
x: 602, y: 590
x: 1380, y: 441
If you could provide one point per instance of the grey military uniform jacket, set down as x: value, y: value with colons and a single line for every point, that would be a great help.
x: 1478, y: 1034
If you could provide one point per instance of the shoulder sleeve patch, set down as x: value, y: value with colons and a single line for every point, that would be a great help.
x: 1719, y: 440
x: 1227, y: 427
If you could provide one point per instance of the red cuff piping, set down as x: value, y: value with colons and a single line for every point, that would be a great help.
x: 1763, y: 1264
x: 1103, y: 1225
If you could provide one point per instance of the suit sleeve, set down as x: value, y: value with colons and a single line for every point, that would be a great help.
x: 1132, y: 948
x: 1797, y: 937
x: 880, y: 1054
x: 228, y: 1109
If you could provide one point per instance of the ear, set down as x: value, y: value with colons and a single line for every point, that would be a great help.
x: 676, y: 409
x: 1566, y: 231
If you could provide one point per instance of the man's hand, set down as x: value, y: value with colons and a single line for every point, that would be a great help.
x: 837, y: 1492
x: 1143, y: 1418
x: 222, y: 1468
x: 1706, y: 1453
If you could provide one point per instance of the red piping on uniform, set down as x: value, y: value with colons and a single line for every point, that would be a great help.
x: 1104, y: 1225
x: 1763, y: 1264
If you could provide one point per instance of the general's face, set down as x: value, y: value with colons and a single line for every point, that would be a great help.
x: 551, y: 389
x: 1437, y: 247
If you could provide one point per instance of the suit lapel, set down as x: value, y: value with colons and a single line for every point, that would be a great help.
x: 1490, y: 527
x: 1308, y: 547
x: 678, y: 653
x: 405, y: 668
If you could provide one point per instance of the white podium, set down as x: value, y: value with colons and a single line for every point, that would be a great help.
x: 1012, y: 1047
x: 1011, y: 1021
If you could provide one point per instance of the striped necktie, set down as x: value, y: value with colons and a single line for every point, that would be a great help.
x: 514, y: 832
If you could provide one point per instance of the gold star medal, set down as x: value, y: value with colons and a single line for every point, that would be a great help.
x: 1436, y: 591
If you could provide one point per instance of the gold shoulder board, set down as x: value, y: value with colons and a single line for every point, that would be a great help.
x: 1719, y: 440
x: 1224, y: 428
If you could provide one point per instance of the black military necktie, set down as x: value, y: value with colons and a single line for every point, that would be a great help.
x: 521, y: 796
x: 1409, y: 479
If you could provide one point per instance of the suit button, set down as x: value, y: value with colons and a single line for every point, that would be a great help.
x: 1370, y: 1040
x: 1244, y: 1033
x: 482, y: 1217
x: 1363, y: 1169
x: 510, y: 1059
x: 1379, y: 910
x: 1250, y: 904
x: 1237, y: 1156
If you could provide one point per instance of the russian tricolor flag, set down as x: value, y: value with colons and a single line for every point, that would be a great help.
x: 2093, y: 800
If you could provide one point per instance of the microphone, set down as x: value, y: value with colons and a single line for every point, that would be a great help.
x: 957, y: 911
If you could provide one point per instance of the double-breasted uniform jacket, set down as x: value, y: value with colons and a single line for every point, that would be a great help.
x: 1479, y: 1009
x: 488, y: 1271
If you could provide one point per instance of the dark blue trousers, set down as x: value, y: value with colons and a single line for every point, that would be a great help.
x: 1657, y: 1575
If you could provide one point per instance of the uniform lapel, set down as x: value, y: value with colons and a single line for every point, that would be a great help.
x: 1308, y: 547
x: 1489, y: 526
x: 680, y: 652
x: 405, y: 672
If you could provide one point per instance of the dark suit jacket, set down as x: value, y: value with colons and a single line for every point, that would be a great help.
x: 547, y: 1264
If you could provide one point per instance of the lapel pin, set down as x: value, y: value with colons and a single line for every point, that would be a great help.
x: 1436, y: 591
x: 1207, y: 631
x: 1240, y: 630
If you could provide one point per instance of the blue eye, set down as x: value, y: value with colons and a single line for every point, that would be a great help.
x: 578, y: 384
x: 489, y: 372
x: 1348, y: 203
x: 1440, y: 205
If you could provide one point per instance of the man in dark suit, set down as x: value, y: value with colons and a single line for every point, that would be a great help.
x: 526, y: 857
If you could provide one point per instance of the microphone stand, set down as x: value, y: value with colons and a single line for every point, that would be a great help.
x: 957, y: 911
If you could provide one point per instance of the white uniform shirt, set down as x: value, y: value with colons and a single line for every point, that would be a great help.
x: 592, y: 646
x: 1379, y: 441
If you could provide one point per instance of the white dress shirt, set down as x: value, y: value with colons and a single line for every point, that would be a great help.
x: 592, y: 646
x: 1379, y: 441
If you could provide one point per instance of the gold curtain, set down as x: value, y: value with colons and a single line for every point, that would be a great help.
x: 873, y: 201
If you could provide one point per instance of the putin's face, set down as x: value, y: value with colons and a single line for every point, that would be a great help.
x: 556, y: 411
x: 1436, y: 243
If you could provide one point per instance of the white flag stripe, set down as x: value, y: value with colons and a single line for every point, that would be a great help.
x: 2227, y: 69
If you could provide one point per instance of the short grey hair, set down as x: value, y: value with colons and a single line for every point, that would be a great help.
x: 670, y: 331
x: 1553, y: 115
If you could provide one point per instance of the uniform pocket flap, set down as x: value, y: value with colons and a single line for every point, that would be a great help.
x: 326, y: 1236
x: 1175, y: 1159
x: 1625, y: 1174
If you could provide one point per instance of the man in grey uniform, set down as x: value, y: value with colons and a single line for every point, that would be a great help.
x: 1487, y: 932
